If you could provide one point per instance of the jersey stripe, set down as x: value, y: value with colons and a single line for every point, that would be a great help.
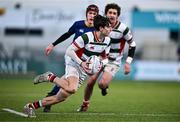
x: 90, y: 53
x: 114, y: 50
x: 122, y: 45
x: 114, y: 41
x: 75, y: 44
x: 85, y: 38
x: 117, y: 31
x: 126, y: 31
x: 98, y: 43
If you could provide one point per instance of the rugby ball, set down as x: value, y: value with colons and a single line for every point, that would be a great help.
x: 94, y: 64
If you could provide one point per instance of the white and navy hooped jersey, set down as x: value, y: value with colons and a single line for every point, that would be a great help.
x: 91, y: 45
x: 119, y: 36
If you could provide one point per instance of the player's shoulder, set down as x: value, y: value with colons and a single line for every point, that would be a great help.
x: 79, y: 22
x: 123, y: 24
x: 122, y: 27
x: 87, y: 35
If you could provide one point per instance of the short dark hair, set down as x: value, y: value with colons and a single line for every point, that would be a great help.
x: 92, y: 7
x: 113, y: 6
x: 100, y: 21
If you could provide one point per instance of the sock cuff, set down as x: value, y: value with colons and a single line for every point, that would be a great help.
x: 40, y: 103
x: 52, y: 77
x: 36, y: 104
x: 86, y: 101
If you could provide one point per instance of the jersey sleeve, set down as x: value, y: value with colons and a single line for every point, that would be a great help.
x: 127, y: 34
x: 79, y: 42
x: 66, y: 35
x: 72, y: 28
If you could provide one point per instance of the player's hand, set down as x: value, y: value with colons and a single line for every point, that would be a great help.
x: 85, y: 66
x: 127, y: 68
x: 49, y: 49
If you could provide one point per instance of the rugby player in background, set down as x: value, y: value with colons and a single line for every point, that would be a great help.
x: 120, y: 35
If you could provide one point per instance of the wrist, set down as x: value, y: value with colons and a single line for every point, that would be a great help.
x: 53, y: 44
x: 129, y: 60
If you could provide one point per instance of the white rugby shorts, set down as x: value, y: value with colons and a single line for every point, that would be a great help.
x: 74, y: 69
x: 111, y: 68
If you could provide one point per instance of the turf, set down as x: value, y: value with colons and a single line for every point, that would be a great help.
x: 126, y: 101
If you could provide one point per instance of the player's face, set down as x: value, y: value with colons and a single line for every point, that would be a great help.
x: 90, y: 16
x: 106, y: 30
x: 112, y: 14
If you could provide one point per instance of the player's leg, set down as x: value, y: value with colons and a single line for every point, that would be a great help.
x: 88, y: 93
x: 104, y: 82
x: 61, y: 96
x: 50, y: 77
x: 30, y: 107
x: 54, y: 91
x: 109, y: 72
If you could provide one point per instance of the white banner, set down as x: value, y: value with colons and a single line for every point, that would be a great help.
x: 163, y: 71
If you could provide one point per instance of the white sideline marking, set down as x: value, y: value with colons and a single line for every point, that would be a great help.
x: 114, y: 114
x: 15, y: 112
x: 101, y: 114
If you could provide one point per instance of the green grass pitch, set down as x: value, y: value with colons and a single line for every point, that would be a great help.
x: 126, y: 102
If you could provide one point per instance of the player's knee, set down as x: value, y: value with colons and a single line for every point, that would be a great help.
x: 103, y: 83
x: 71, y: 90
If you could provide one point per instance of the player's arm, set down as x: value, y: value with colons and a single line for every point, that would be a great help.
x: 129, y: 59
x: 62, y: 38
x: 131, y: 50
x: 71, y: 51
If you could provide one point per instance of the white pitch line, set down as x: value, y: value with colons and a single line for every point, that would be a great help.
x: 100, y: 114
x: 112, y: 114
x: 15, y: 112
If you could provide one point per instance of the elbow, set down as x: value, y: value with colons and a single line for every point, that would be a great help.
x: 132, y: 44
x: 68, y: 51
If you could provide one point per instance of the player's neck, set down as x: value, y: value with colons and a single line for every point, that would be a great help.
x: 88, y: 24
x: 99, y: 36
x: 115, y: 24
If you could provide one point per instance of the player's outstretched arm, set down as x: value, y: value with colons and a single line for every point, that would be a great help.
x: 49, y: 49
x: 62, y: 38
